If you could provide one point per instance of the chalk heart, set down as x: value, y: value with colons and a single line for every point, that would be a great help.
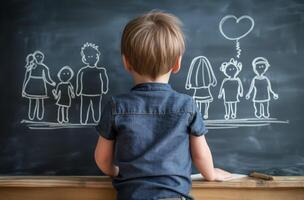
x: 238, y: 21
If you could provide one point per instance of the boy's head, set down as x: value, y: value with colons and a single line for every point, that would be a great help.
x: 153, y: 43
x: 90, y: 54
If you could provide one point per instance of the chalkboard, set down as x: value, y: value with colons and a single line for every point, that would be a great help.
x: 246, y: 55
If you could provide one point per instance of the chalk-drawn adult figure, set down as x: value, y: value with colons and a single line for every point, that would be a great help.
x: 63, y: 93
x: 261, y: 88
x: 92, y: 82
x: 200, y: 78
x: 37, y: 75
x: 231, y: 88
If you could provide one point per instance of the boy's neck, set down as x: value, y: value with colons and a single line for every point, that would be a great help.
x: 138, y: 79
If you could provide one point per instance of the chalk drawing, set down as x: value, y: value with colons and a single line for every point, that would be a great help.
x: 244, y: 122
x: 261, y: 88
x: 34, y: 86
x: 91, y: 83
x: 88, y: 76
x: 238, y: 36
x: 231, y: 88
x: 63, y: 93
x: 200, y: 78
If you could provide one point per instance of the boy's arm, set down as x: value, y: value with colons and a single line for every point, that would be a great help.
x: 104, y: 153
x: 202, y: 158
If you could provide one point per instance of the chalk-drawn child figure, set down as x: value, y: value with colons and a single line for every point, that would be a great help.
x: 261, y: 88
x: 92, y: 83
x: 63, y: 93
x: 200, y: 78
x: 37, y: 76
x: 231, y: 87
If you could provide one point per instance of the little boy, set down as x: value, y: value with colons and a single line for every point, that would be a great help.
x: 149, y: 135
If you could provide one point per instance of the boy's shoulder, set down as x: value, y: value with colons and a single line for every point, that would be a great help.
x: 171, y: 94
x: 175, y: 100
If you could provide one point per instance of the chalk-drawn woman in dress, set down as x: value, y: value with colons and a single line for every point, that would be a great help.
x: 200, y: 78
x: 261, y: 88
x: 34, y: 86
x: 63, y: 93
x: 231, y: 87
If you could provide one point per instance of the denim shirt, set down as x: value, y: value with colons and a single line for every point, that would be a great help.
x: 151, y: 126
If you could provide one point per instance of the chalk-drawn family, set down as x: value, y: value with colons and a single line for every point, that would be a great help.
x: 201, y: 77
x: 37, y: 76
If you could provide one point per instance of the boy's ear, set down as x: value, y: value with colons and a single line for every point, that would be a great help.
x: 177, y: 65
x: 126, y: 63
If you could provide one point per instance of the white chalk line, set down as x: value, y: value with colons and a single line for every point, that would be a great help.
x: 54, y: 125
x: 61, y: 127
x: 224, y: 127
x: 237, y: 123
x: 246, y: 121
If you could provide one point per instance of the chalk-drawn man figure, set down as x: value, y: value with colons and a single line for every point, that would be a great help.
x: 200, y: 78
x: 34, y: 88
x: 231, y: 87
x: 63, y: 93
x: 261, y: 87
x: 92, y: 82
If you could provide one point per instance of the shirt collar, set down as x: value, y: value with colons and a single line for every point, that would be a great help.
x: 151, y: 86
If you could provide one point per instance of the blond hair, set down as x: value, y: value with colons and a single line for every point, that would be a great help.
x: 152, y: 43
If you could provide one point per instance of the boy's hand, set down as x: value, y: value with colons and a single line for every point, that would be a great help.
x: 247, y: 96
x: 221, y: 175
x: 275, y: 96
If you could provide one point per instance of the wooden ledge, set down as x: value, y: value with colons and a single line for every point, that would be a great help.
x: 105, y: 182
x: 248, y: 182
x: 100, y: 188
x: 56, y: 181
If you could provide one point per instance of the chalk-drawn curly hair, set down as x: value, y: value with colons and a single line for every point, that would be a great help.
x: 89, y: 46
x: 233, y: 62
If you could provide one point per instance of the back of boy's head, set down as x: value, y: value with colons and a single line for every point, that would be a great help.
x: 152, y: 43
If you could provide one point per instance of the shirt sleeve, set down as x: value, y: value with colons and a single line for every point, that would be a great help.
x: 197, y: 125
x: 106, y: 126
